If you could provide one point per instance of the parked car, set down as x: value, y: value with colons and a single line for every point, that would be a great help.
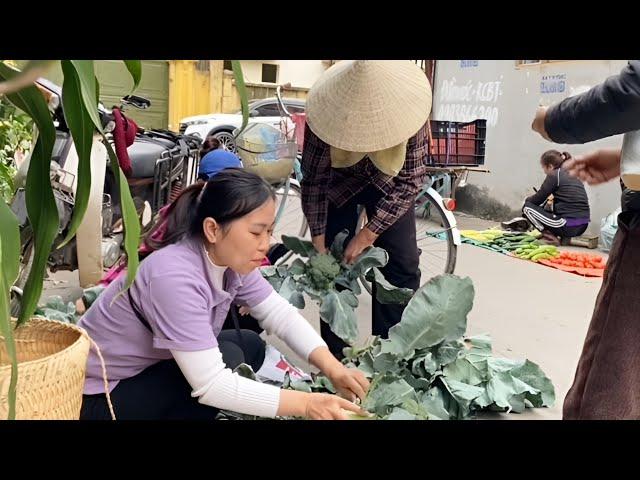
x: 222, y: 125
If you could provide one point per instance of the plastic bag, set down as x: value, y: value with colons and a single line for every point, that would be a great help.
x: 265, y: 150
x: 608, y: 229
x: 275, y: 366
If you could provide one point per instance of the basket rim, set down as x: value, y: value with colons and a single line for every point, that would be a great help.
x: 269, y: 147
x: 41, y: 321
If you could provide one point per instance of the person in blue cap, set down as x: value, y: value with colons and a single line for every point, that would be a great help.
x: 214, y: 159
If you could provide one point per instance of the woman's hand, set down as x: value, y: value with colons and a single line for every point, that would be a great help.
x: 322, y: 406
x: 316, y: 406
x: 349, y: 382
x: 596, y: 167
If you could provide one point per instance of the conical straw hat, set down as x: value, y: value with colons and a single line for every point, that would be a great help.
x: 366, y: 105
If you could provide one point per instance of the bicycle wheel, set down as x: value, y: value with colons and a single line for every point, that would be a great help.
x: 435, y: 241
x: 290, y: 219
x: 434, y: 238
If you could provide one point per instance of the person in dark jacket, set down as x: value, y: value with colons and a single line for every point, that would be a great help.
x: 569, y: 213
x: 607, y: 380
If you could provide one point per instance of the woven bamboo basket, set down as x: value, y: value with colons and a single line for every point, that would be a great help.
x: 52, y: 361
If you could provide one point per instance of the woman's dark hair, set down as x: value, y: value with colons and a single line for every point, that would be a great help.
x: 227, y: 196
x: 554, y: 158
x: 210, y: 143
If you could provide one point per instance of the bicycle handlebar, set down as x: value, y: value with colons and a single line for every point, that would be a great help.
x: 280, y: 102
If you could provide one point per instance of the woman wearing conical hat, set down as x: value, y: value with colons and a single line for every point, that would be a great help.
x: 365, y: 144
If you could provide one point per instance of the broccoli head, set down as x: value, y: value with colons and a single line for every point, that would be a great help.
x: 321, y: 270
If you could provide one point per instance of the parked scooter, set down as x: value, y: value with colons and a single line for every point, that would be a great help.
x: 163, y: 163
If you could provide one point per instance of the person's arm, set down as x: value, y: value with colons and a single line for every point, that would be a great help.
x: 595, y: 167
x: 549, y: 186
x: 184, y: 328
x: 217, y: 386
x: 278, y: 317
x: 395, y: 204
x: 316, y: 173
x: 611, y: 108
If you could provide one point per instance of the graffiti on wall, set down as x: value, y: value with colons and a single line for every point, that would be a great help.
x: 465, y: 102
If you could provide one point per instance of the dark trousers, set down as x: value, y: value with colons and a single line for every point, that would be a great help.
x: 403, y: 269
x: 160, y: 392
x: 549, y: 221
x: 607, y: 380
x: 245, y: 322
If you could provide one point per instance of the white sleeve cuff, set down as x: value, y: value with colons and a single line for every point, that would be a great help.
x: 217, y: 386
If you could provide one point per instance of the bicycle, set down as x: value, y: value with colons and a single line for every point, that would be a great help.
x: 277, y: 159
x: 290, y: 219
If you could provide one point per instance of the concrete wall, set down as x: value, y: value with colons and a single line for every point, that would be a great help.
x: 231, y: 97
x: 252, y: 69
x: 300, y: 73
x: 507, y: 96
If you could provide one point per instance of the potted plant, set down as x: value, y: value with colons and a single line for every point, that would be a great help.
x: 43, y: 362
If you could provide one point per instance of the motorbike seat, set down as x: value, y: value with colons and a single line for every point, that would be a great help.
x: 144, y: 153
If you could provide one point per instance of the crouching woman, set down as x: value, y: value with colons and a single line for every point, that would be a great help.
x: 166, y: 354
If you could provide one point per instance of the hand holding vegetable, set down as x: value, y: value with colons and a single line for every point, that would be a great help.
x: 329, y: 280
x: 316, y: 406
x: 322, y: 406
x: 319, y: 243
x: 358, y: 244
x: 349, y: 382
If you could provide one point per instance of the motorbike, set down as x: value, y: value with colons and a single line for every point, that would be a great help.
x: 163, y: 163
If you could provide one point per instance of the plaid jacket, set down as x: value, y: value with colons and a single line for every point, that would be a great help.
x: 322, y: 184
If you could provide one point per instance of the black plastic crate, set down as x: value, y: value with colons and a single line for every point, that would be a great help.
x: 457, y: 143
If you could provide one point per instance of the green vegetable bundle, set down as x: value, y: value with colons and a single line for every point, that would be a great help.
x: 326, y: 279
